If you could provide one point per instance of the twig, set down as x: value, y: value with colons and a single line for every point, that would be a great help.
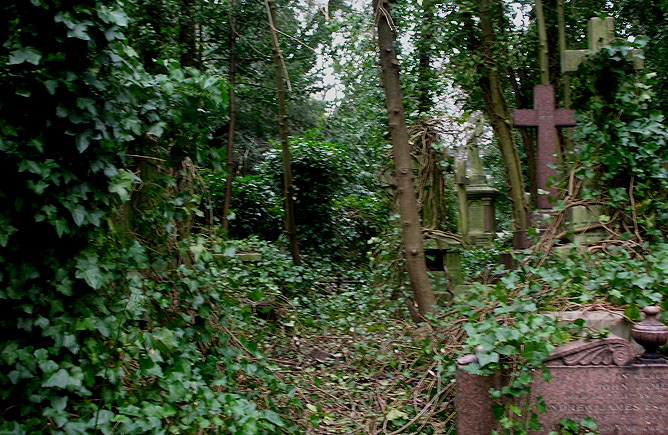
x: 419, y: 415
x: 633, y: 210
x: 146, y: 157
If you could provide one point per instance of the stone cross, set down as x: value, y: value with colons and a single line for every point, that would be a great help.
x: 599, y: 33
x: 546, y: 118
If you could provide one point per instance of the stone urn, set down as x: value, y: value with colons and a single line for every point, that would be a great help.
x: 650, y: 334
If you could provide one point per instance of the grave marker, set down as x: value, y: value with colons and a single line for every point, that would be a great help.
x: 546, y: 118
x: 599, y: 33
x: 602, y: 379
x: 476, y: 198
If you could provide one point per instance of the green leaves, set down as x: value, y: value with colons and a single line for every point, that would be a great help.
x: 60, y: 379
x: 25, y: 54
x: 88, y: 269
x: 122, y: 184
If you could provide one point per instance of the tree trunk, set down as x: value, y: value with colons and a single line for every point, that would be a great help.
x: 188, y: 34
x: 411, y: 228
x: 424, y: 49
x: 542, y: 44
x: 233, y: 115
x: 499, y: 114
x: 288, y: 188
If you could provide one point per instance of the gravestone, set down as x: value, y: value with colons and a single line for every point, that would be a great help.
x: 444, y: 253
x: 599, y: 33
x: 476, y: 199
x: 546, y: 118
x: 602, y: 379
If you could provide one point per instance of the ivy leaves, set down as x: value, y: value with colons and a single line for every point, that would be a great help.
x: 25, y: 54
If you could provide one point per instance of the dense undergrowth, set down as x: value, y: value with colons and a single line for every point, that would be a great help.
x: 126, y: 310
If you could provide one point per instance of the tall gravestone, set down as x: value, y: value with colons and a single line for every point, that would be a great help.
x: 546, y: 118
x: 476, y: 199
x: 602, y: 379
x: 600, y: 32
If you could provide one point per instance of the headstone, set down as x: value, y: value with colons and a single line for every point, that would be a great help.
x: 582, y: 217
x: 546, y: 118
x: 599, y: 33
x: 444, y: 253
x: 602, y: 379
x: 476, y: 199
x: 246, y: 257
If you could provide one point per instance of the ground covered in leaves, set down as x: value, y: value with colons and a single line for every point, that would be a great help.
x: 360, y: 367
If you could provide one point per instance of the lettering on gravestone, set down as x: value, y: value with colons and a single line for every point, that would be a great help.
x: 602, y: 379
x: 546, y: 118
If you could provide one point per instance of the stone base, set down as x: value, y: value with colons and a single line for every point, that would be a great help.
x: 479, y: 240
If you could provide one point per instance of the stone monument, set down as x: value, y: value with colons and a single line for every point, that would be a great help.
x: 602, y: 379
x: 599, y: 33
x: 476, y: 198
x: 546, y: 118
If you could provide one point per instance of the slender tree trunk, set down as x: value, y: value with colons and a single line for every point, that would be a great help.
x: 233, y: 115
x: 499, y: 114
x: 528, y: 137
x: 188, y: 34
x: 542, y: 44
x: 410, y: 220
x: 424, y: 49
x: 288, y: 188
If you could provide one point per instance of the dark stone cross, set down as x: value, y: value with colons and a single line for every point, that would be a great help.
x: 546, y: 118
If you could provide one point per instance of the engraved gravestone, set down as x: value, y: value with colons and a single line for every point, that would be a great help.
x: 601, y: 379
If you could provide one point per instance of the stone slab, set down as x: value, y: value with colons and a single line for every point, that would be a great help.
x: 601, y: 379
x: 622, y: 400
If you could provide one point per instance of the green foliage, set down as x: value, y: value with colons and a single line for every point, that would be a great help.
x: 570, y: 427
x: 102, y: 333
x: 335, y: 210
x: 621, y: 138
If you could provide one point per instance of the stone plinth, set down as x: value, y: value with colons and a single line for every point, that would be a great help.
x: 444, y: 254
x: 481, y: 214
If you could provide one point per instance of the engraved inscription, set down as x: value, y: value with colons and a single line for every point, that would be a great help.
x: 622, y: 400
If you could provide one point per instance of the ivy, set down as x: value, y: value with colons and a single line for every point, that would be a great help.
x: 104, y: 331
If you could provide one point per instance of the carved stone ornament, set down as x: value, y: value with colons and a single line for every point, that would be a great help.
x: 604, y: 352
x: 650, y: 334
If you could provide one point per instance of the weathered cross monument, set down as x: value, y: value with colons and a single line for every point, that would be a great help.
x: 546, y: 118
x: 600, y: 32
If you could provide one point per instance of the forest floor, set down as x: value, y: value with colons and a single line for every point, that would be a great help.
x: 360, y: 369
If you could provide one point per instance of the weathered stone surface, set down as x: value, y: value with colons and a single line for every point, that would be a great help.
x: 546, y: 118
x: 582, y: 217
x: 249, y: 256
x: 599, y: 33
x: 601, y: 379
x: 616, y: 323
